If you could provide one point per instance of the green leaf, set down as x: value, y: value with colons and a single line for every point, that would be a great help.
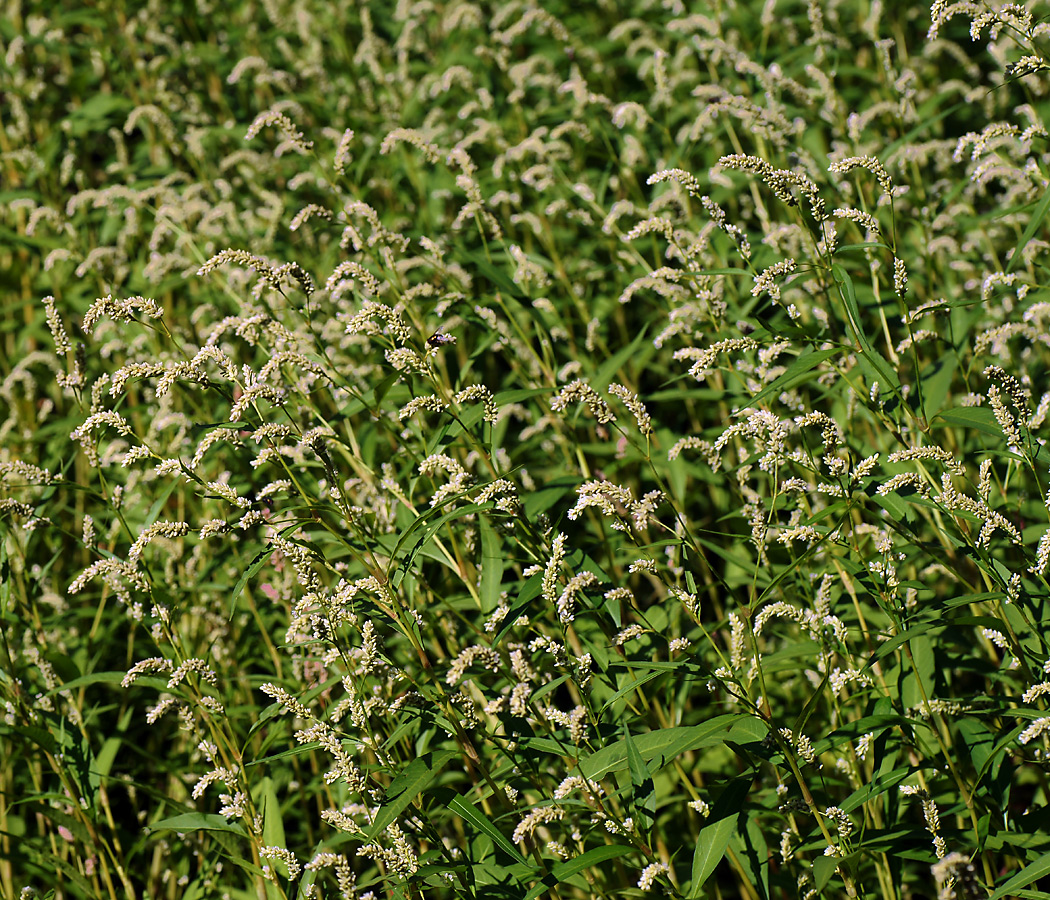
x: 553, y: 490
x: 90, y: 117
x: 383, y: 388
x: 1030, y: 230
x: 470, y: 814
x: 258, y: 561
x: 532, y: 588
x: 861, y: 246
x: 823, y: 868
x: 627, y: 688
x: 926, y: 123
x: 980, y: 418
x: 714, y: 838
x: 1025, y: 877
x: 753, y: 853
x: 711, y: 846
x: 195, y: 821
x: 452, y: 428
x: 286, y: 754
x: 868, y: 354
x: 485, y: 873
x: 882, y: 782
x: 893, y: 643
x: 849, y: 298
x: 936, y: 379
x: 5, y: 574
x: 498, y: 277
x: 799, y: 372
x: 885, y: 372
x: 725, y: 271
x: 39, y: 736
x: 564, y: 871
x: 92, y: 678
x: 265, y: 796
x: 1006, y: 741
x: 428, y: 529
x: 549, y: 686
x: 70, y: 872
x: 604, y: 376
x: 811, y: 705
x: 106, y: 756
x: 505, y: 398
x: 491, y: 566
x: 274, y: 710
x: 158, y: 504
x: 309, y: 876
x: 412, y: 780
x: 667, y: 743
x: 643, y: 791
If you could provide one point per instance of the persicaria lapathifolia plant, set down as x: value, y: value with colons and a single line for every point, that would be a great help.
x: 514, y: 450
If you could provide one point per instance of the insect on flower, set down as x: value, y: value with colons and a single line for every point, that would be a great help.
x: 438, y: 338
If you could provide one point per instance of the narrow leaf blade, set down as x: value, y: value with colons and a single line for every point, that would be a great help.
x: 564, y: 871
x: 711, y: 846
x: 469, y: 814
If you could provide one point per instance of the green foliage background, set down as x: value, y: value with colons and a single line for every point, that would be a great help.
x: 663, y: 571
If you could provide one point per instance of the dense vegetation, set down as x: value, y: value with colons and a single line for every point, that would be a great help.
x: 503, y: 450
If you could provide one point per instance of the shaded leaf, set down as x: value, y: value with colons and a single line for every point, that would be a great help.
x: 407, y: 786
x: 668, y: 743
x: 643, y: 791
x: 1025, y: 877
x: 195, y: 821
x: 564, y: 871
x: 470, y: 814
